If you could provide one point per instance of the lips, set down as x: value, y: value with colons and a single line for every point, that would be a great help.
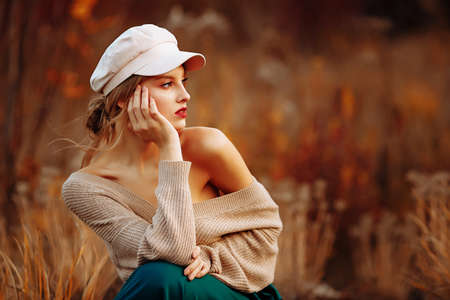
x: 181, y: 110
x: 181, y: 113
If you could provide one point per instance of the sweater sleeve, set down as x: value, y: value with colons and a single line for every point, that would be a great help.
x: 170, y: 236
x: 246, y: 259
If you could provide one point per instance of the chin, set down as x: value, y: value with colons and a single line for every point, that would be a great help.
x: 179, y: 126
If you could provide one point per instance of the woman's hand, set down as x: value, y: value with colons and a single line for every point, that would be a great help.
x: 147, y: 122
x: 197, y: 268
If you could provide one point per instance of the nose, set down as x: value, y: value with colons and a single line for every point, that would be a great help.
x: 183, y: 94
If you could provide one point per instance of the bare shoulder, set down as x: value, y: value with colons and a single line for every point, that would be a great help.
x: 214, y: 152
x: 203, y: 138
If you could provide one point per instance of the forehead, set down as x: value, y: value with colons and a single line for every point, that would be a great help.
x: 178, y: 72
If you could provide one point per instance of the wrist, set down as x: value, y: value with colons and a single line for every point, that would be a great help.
x: 169, y: 141
x: 171, y: 151
x: 204, y: 257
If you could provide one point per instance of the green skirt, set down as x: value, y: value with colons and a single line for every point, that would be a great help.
x: 164, y: 280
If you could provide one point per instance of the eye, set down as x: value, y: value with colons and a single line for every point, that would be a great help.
x: 184, y: 80
x: 167, y: 84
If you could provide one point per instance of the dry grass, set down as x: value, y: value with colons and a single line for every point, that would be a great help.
x: 432, y: 217
x: 307, y: 240
x: 392, y: 255
x: 53, y: 255
x: 381, y: 255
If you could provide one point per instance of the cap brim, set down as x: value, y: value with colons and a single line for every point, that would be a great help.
x: 156, y: 61
x: 192, y: 61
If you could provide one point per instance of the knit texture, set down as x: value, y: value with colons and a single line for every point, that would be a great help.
x: 237, y: 232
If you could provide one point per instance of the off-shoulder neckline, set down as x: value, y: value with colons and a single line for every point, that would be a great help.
x: 226, y: 201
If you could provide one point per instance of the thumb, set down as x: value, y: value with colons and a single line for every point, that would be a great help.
x: 196, y: 252
x: 153, y: 108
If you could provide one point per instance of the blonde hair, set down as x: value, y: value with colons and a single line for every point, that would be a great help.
x: 103, y: 114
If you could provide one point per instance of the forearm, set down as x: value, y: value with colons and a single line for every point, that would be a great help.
x: 171, y: 150
x: 172, y: 234
x: 246, y: 260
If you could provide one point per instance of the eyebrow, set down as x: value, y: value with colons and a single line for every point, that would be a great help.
x: 163, y: 77
x: 167, y: 77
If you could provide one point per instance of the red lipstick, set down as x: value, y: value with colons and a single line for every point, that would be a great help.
x: 182, y: 113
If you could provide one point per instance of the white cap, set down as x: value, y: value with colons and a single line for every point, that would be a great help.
x: 146, y: 50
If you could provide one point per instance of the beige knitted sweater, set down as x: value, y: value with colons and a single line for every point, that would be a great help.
x: 237, y: 232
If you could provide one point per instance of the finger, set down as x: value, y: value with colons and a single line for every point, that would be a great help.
x: 195, y: 272
x: 202, y: 272
x: 196, y: 252
x: 145, y: 105
x: 131, y: 112
x: 131, y: 115
x: 153, y: 108
x: 137, y: 105
x: 192, y: 266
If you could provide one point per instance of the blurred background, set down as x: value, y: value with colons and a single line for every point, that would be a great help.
x: 340, y: 108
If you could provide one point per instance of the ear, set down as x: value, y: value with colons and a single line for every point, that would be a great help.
x: 121, y: 104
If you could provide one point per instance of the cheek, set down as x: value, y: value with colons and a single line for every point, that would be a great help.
x: 162, y: 103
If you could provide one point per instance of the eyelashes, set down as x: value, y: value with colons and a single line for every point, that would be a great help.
x: 170, y: 83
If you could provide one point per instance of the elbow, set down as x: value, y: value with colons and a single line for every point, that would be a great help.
x: 278, y: 225
x: 184, y: 256
x: 171, y: 248
x: 179, y: 253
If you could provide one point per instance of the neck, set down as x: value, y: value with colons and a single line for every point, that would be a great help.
x: 131, y: 152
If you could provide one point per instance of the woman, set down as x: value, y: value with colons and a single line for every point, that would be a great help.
x: 180, y: 213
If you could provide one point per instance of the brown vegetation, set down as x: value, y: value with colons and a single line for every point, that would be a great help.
x: 54, y: 256
x: 329, y: 106
x: 432, y: 247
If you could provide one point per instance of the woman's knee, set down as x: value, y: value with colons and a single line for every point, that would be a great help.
x: 163, y: 280
x: 154, y: 280
x: 161, y: 275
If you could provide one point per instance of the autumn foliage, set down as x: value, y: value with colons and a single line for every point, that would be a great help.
x: 340, y: 108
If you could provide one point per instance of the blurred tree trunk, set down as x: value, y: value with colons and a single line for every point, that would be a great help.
x: 20, y: 41
x: 14, y: 27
